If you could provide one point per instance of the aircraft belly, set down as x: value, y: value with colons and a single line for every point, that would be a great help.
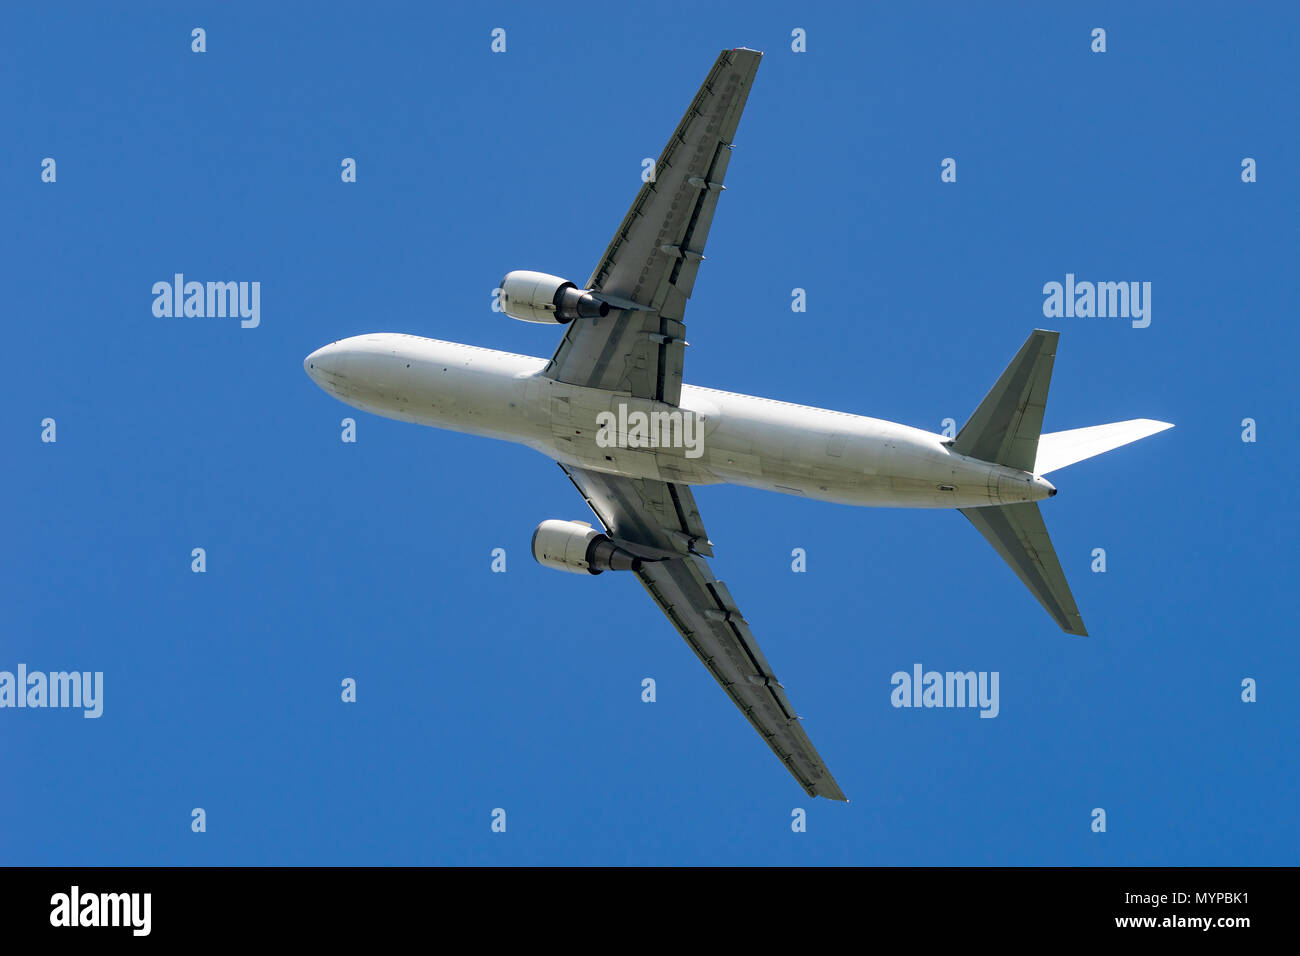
x: 842, y: 459
x: 447, y: 390
x: 805, y: 452
x: 713, y: 437
x: 618, y: 434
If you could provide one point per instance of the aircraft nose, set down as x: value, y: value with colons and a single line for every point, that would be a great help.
x: 317, y: 364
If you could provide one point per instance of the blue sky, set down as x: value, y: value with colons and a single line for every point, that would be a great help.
x: 522, y: 690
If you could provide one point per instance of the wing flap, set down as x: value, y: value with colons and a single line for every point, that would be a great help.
x: 652, y: 518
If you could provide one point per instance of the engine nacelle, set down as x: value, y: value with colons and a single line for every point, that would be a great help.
x: 538, y: 297
x: 578, y: 547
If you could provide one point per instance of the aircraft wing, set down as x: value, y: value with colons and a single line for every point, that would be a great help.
x: 660, y: 519
x: 647, y: 273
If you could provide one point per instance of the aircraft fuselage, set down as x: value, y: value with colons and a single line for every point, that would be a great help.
x: 711, y: 437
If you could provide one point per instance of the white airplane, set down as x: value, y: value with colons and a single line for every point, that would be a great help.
x: 610, y: 407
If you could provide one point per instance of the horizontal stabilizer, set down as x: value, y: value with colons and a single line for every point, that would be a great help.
x: 1018, y: 534
x: 1058, y: 449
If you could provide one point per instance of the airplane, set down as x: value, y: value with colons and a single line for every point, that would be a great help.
x: 611, y: 409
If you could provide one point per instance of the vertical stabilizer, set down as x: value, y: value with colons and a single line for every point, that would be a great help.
x: 1005, y: 427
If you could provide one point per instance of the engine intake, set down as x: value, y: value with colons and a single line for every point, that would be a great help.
x: 577, y: 547
x: 538, y: 297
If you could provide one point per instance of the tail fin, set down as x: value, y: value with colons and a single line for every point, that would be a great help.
x: 1004, y: 429
x: 1018, y: 534
x: 1058, y: 449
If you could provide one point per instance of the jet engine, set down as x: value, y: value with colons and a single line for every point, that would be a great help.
x: 537, y: 297
x: 578, y: 547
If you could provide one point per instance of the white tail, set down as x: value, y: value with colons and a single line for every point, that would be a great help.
x: 1058, y: 449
